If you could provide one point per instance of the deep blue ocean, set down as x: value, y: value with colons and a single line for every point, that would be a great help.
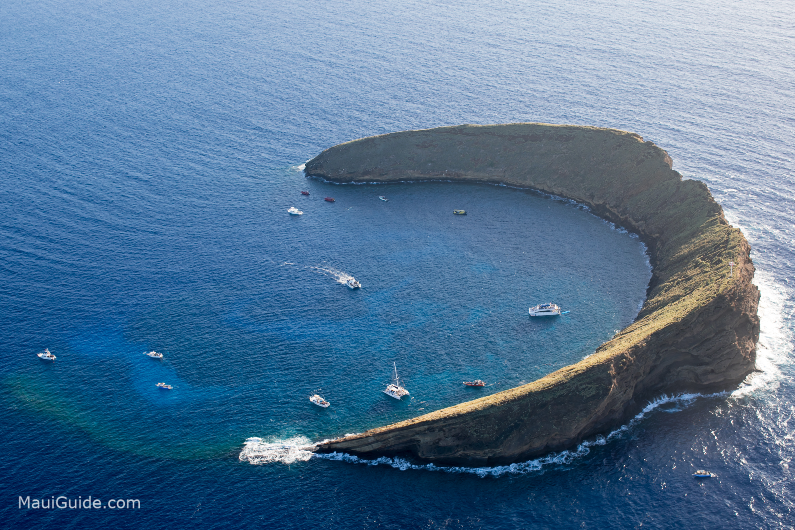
x: 149, y: 152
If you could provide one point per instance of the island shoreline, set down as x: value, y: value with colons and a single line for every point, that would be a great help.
x: 696, y: 331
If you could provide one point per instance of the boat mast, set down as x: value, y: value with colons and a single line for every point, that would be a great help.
x: 397, y: 381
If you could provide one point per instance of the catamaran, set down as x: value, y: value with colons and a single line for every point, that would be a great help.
x: 395, y: 390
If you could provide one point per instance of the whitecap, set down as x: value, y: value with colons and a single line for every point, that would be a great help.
x: 260, y: 451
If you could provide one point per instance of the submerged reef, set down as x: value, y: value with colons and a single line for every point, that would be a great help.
x: 696, y: 332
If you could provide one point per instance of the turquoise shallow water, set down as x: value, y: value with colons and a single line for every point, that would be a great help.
x: 149, y: 152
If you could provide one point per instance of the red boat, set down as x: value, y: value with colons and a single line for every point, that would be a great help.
x: 329, y: 199
x: 304, y: 193
x: 476, y: 382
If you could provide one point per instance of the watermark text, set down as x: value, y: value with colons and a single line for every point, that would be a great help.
x: 76, y: 503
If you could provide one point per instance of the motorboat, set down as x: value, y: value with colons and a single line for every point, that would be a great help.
x: 164, y: 386
x: 394, y: 389
x: 46, y: 355
x: 460, y: 212
x: 294, y: 211
x: 329, y: 199
x: 545, y: 310
x: 476, y: 382
x: 703, y: 474
x: 383, y: 198
x: 319, y: 401
x: 352, y: 283
x: 154, y: 355
x: 304, y: 193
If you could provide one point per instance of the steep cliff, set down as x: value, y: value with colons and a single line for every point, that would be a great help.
x: 696, y: 332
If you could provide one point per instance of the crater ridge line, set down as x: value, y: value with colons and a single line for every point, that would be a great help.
x: 697, y: 329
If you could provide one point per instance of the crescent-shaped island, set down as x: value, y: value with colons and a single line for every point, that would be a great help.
x: 696, y: 332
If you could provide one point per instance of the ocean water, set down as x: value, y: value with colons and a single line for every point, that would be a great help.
x: 149, y: 152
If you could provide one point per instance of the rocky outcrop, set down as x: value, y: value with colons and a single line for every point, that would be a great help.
x: 696, y: 332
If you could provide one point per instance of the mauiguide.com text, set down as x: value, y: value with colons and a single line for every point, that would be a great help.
x: 79, y: 503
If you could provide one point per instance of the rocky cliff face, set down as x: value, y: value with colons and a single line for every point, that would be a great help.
x: 696, y: 332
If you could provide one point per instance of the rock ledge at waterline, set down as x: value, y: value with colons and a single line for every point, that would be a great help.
x: 697, y: 330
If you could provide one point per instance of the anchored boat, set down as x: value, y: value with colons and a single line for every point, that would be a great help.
x: 329, y: 199
x: 154, y: 355
x: 703, y: 474
x: 545, y: 310
x: 294, y: 211
x: 164, y: 386
x: 476, y: 382
x: 460, y: 212
x: 395, y: 390
x: 319, y: 401
x: 46, y: 355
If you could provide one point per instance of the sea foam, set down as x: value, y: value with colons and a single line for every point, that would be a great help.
x: 300, y: 449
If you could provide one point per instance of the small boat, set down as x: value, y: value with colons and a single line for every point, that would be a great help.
x: 164, y: 386
x: 383, y: 198
x: 545, y: 310
x: 154, y: 355
x: 395, y: 390
x: 704, y: 474
x: 329, y: 199
x: 352, y: 283
x: 319, y: 401
x: 294, y: 211
x: 476, y: 382
x: 460, y: 212
x: 304, y: 193
x: 46, y: 355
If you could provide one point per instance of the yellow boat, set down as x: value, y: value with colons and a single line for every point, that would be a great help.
x: 460, y: 212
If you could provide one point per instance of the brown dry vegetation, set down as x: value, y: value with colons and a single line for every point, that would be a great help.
x: 696, y: 331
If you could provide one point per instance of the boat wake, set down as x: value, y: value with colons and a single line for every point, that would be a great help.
x: 300, y: 449
x: 339, y: 276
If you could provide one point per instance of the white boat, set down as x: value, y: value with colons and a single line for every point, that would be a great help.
x: 395, y: 390
x: 319, y: 401
x: 46, y: 355
x: 545, y: 310
x: 352, y: 283
x: 164, y: 386
x: 704, y: 474
x: 154, y: 355
x: 383, y: 198
x: 294, y: 211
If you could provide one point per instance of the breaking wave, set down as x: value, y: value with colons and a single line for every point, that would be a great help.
x: 300, y: 449
x: 260, y: 451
